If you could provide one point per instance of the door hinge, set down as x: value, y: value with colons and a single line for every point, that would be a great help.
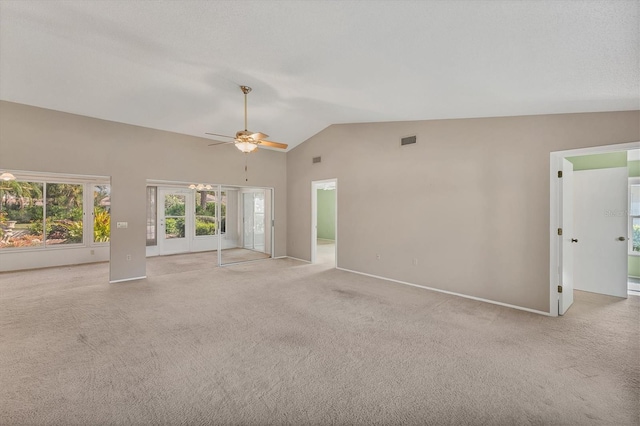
x: 559, y: 173
x: 559, y: 289
x: 559, y: 231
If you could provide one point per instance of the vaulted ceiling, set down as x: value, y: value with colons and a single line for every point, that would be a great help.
x: 177, y: 65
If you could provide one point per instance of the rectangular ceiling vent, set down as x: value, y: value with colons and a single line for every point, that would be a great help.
x: 317, y: 160
x: 408, y: 140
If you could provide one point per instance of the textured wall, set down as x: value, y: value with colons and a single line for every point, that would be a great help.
x: 469, y: 201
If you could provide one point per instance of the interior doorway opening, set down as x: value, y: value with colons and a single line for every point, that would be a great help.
x: 324, y: 221
x: 594, y: 220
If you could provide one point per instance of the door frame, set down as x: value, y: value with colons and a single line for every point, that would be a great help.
x: 315, y: 185
x: 555, y: 200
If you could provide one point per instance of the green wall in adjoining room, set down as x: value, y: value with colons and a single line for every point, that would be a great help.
x: 634, y: 266
x: 634, y: 261
x: 599, y: 161
x: 326, y: 214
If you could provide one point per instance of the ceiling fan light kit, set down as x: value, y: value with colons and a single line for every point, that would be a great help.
x: 246, y: 147
x: 200, y: 187
x: 245, y: 140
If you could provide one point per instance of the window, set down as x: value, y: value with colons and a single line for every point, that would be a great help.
x: 174, y: 215
x: 21, y: 214
x: 152, y: 214
x: 40, y: 214
x: 64, y: 224
x: 101, y: 213
x: 634, y: 218
x: 205, y: 213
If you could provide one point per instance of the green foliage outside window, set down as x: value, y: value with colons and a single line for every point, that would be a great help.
x: 101, y: 225
x: 22, y: 210
x: 205, y: 228
x: 174, y: 227
x: 206, y: 213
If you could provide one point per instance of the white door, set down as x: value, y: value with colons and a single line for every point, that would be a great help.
x: 601, y: 227
x: 175, y: 220
x: 567, y: 241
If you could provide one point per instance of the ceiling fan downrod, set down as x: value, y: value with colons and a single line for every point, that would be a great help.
x: 245, y: 90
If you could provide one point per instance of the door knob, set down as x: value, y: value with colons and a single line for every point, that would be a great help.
x: 574, y: 240
x: 622, y: 239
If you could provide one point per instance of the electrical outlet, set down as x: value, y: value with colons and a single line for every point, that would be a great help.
x: 415, y: 262
x: 128, y: 257
x: 93, y: 252
x: 378, y: 256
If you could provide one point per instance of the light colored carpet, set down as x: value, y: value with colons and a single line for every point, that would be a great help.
x: 241, y: 255
x: 172, y: 264
x: 326, y: 252
x: 284, y: 342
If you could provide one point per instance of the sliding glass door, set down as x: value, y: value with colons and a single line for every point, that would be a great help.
x: 233, y: 223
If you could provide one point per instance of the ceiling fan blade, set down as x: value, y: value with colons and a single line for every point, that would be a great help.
x: 219, y: 143
x: 274, y: 144
x: 224, y: 136
x: 259, y: 136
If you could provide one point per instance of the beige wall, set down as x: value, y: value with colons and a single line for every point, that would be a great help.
x: 469, y: 201
x: 41, y: 140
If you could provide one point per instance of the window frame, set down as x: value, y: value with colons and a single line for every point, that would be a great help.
x: 88, y: 182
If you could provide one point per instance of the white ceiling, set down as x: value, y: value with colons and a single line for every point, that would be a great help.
x: 176, y: 65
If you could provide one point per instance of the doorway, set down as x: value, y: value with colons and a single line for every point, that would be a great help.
x: 572, y: 199
x: 324, y: 221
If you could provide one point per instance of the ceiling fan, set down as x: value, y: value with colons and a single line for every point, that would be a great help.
x: 246, y: 140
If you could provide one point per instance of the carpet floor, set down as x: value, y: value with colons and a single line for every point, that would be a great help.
x: 284, y: 342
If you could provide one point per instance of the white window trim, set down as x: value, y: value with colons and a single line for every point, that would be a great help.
x: 87, y: 182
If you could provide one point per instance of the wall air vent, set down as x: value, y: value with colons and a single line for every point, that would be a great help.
x: 408, y: 140
x: 317, y: 160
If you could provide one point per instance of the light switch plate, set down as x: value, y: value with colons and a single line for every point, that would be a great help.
x: 122, y: 224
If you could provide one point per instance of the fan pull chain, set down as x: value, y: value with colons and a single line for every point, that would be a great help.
x: 246, y: 173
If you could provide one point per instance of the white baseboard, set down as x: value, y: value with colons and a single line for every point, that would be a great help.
x: 128, y: 279
x: 521, y: 308
x: 295, y: 258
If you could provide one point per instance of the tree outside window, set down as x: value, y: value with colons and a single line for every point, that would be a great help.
x: 205, y: 213
x: 39, y: 214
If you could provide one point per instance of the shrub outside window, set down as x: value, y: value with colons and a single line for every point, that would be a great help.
x: 205, y: 213
x: 37, y: 214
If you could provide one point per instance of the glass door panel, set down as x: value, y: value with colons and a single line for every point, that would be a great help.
x: 174, y: 220
x: 247, y: 236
